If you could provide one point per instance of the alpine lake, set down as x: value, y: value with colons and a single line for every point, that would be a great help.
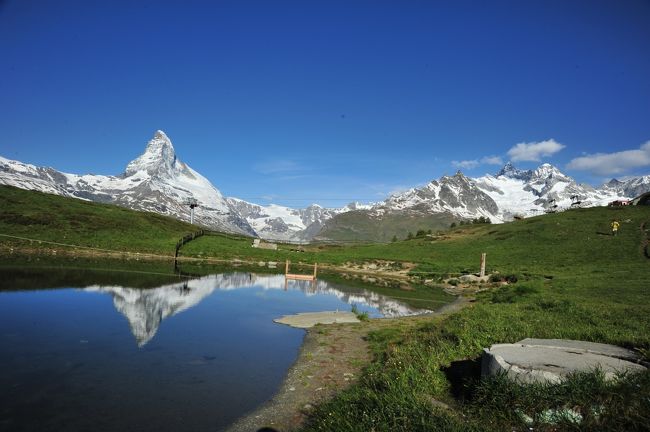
x: 104, y: 346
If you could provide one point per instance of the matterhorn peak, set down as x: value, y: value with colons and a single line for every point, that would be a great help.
x: 159, y: 134
x: 158, y: 159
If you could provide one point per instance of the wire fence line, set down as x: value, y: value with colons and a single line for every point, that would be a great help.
x: 82, y: 247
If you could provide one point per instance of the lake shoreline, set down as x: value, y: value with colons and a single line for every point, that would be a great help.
x: 36, y: 252
x: 331, y: 358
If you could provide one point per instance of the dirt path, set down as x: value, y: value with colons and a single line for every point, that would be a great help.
x: 331, y: 358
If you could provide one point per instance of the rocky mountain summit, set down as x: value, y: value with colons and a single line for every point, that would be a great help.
x: 455, y: 194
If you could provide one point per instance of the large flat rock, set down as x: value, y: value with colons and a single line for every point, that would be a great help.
x: 310, y: 319
x: 550, y: 360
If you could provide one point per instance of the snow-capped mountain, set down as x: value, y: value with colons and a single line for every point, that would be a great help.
x: 275, y: 222
x: 455, y: 194
x: 632, y: 187
x: 510, y: 192
x: 156, y: 181
x: 531, y: 192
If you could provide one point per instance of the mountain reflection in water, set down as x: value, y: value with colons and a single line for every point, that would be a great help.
x: 146, y: 308
x: 68, y: 361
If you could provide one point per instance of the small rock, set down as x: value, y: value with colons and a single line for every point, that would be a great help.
x: 292, y: 389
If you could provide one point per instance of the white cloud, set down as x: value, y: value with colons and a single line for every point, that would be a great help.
x: 470, y: 164
x: 534, y: 151
x: 466, y: 164
x: 606, y: 164
x: 492, y: 160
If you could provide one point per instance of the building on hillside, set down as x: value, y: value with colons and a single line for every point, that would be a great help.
x: 261, y: 244
x: 619, y: 203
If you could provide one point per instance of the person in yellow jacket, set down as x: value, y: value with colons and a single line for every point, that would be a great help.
x: 615, y: 226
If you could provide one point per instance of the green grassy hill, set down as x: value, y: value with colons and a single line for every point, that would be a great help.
x: 361, y: 225
x: 561, y: 243
x: 53, y: 218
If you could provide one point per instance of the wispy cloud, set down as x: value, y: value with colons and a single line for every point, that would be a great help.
x: 466, y: 164
x: 606, y: 164
x: 492, y: 160
x: 473, y: 163
x: 534, y: 151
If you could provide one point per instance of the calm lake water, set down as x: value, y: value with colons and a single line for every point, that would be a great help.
x: 88, y: 350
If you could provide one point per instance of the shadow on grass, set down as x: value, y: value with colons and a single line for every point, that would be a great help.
x: 463, y: 376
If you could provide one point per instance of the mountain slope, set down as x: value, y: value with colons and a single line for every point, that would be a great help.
x: 530, y: 192
x: 631, y: 188
x: 44, y: 216
x: 156, y: 181
x: 275, y: 222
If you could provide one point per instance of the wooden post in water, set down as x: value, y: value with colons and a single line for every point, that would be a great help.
x: 483, y: 255
x: 286, y: 268
x: 315, y: 270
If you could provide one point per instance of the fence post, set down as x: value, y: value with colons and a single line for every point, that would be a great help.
x: 483, y: 256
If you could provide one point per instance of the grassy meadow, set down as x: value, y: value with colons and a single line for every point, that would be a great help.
x: 52, y: 218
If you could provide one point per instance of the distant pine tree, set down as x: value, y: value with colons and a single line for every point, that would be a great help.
x: 394, y: 239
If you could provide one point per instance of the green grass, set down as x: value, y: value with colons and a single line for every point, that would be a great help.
x: 574, y: 281
x: 550, y: 244
x: 57, y: 219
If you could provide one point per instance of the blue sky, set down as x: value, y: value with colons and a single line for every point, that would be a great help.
x: 310, y: 101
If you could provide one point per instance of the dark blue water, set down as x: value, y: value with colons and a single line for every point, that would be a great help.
x: 188, y: 355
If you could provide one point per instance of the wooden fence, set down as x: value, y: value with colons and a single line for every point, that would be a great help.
x: 186, y: 239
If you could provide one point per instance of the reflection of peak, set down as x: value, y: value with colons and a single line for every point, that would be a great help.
x: 146, y: 308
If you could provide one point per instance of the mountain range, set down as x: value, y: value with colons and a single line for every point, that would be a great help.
x: 159, y: 182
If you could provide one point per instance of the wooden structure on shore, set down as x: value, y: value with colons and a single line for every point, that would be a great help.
x: 288, y: 275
